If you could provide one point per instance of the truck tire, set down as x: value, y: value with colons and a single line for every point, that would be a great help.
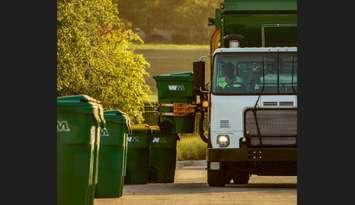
x: 241, y: 178
x: 216, y: 178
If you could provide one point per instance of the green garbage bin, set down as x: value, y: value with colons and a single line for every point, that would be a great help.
x: 138, y: 155
x: 79, y: 120
x: 162, y: 156
x: 176, y: 88
x: 112, y: 157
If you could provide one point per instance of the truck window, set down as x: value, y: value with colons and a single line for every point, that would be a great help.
x: 255, y: 73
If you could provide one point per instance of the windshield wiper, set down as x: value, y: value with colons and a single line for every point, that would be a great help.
x: 256, y: 103
x: 263, y: 87
x: 293, y: 65
x: 278, y: 73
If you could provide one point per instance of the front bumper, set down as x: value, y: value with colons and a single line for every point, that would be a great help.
x: 284, y: 154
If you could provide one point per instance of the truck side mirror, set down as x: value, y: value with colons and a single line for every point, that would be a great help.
x: 198, y: 76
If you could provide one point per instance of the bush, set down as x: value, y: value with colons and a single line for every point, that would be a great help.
x: 191, y: 147
x: 94, y: 56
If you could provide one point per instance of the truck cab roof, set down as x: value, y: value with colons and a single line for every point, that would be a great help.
x: 255, y: 49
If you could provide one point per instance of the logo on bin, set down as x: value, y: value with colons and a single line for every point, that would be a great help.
x: 156, y: 140
x: 63, y: 126
x: 133, y: 139
x: 176, y: 87
x: 159, y: 140
x: 104, y: 132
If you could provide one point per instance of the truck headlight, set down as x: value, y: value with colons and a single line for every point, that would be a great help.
x: 223, y: 140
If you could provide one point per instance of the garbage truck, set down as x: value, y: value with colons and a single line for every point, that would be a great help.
x: 248, y: 110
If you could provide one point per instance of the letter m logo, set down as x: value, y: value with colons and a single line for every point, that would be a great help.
x: 176, y: 87
x: 130, y: 139
x: 156, y: 140
x: 173, y: 87
x: 104, y: 132
x: 63, y: 126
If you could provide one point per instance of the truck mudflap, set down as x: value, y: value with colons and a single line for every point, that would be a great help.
x: 270, y: 154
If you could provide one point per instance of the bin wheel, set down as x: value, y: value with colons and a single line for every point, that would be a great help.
x: 241, y: 178
x: 216, y: 178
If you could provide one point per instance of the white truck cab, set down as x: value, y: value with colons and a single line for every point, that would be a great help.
x: 252, y: 113
x: 229, y: 103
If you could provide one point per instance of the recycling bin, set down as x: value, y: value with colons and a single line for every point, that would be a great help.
x: 79, y: 120
x: 176, y: 88
x: 112, y: 157
x: 162, y: 156
x: 138, y: 155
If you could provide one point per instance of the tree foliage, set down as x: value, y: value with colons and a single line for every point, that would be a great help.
x: 94, y: 56
x: 181, y: 16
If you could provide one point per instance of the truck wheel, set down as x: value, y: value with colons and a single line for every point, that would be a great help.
x: 216, y: 178
x: 242, y: 178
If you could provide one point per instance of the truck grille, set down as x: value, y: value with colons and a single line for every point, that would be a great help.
x: 224, y: 124
x: 286, y: 103
x: 270, y: 103
x: 277, y: 126
x: 272, y: 141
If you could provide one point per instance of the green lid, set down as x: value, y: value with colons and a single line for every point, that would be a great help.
x: 155, y: 129
x: 81, y: 104
x: 76, y: 100
x: 187, y: 75
x: 117, y: 116
x: 140, y: 127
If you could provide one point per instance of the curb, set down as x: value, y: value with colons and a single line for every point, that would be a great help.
x: 191, y: 163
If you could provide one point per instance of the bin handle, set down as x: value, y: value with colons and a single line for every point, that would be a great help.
x: 128, y: 125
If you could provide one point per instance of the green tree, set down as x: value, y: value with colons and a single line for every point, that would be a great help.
x: 187, y: 17
x: 194, y: 14
x: 94, y: 56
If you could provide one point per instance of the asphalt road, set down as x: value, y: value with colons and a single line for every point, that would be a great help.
x: 190, y: 188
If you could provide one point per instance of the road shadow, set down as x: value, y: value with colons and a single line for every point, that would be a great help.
x: 198, y: 188
x: 266, y: 185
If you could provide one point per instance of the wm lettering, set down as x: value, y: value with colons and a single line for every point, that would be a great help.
x: 63, y: 126
x: 104, y: 132
x: 176, y: 87
x: 132, y: 139
x: 156, y: 140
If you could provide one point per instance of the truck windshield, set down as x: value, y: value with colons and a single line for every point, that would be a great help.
x: 255, y: 73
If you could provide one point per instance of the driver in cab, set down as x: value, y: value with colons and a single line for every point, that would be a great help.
x: 229, y: 79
